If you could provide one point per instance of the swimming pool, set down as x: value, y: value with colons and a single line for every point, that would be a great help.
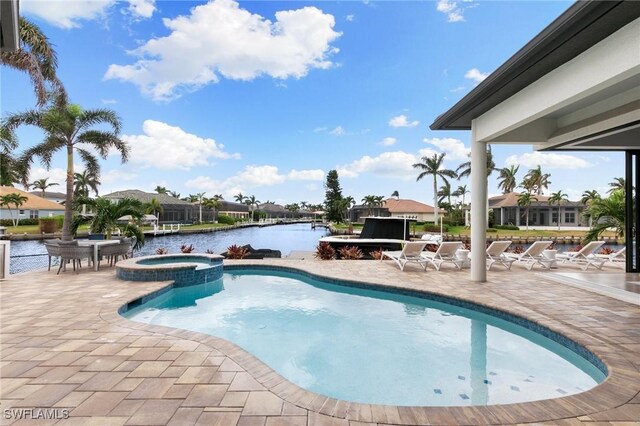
x: 372, y: 346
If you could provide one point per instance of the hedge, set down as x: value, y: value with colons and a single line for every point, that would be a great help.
x: 226, y: 220
x: 507, y: 227
x: 9, y: 222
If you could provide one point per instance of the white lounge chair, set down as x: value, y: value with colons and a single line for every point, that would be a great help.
x: 410, y: 252
x: 496, y: 254
x: 616, y: 258
x: 586, y: 256
x: 446, y: 253
x: 533, y: 255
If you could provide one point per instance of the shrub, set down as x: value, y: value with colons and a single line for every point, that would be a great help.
x: 236, y: 252
x: 576, y: 248
x: 518, y: 249
x: 8, y: 222
x: 48, y: 225
x: 186, y: 248
x: 376, y: 254
x: 209, y: 251
x: 162, y: 250
x: 492, y: 230
x: 552, y: 246
x: 324, y: 251
x: 432, y: 227
x: 507, y: 227
x: 607, y: 250
x: 350, y: 253
x: 226, y: 220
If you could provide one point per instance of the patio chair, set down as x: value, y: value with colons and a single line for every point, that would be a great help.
x: 75, y: 254
x: 435, y: 239
x: 446, y: 253
x: 533, y: 255
x: 53, y: 250
x: 112, y: 252
x: 616, y: 258
x: 585, y: 257
x: 496, y: 254
x: 410, y: 252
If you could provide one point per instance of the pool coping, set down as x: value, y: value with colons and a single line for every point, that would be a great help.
x: 617, y: 389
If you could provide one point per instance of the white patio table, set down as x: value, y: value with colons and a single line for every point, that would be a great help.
x: 96, y: 245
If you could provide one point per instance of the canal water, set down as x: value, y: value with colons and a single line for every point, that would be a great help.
x: 31, y: 255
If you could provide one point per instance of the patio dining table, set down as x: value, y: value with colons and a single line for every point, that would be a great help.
x: 96, y: 246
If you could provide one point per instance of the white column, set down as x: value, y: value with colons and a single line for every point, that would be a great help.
x: 478, y: 207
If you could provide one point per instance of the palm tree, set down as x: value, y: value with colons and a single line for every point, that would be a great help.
x: 379, y: 201
x: 212, y: 203
x: 239, y: 197
x: 252, y: 202
x: 588, y: 197
x: 462, y: 191
x: 199, y: 196
x: 162, y: 190
x: 618, y: 183
x: 107, y: 213
x: 433, y: 166
x: 83, y: 182
x: 369, y: 201
x: 174, y: 194
x: 464, y: 169
x: 42, y: 185
x: 507, y: 178
x: 153, y: 207
x: 69, y: 128
x: 607, y: 213
x: 37, y: 58
x: 396, y: 194
x: 524, y: 200
x: 445, y: 193
x: 536, y: 181
x: 16, y: 200
x: 8, y: 166
x: 218, y: 197
x: 558, y: 198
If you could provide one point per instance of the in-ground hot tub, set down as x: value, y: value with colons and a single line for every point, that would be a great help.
x: 183, y: 269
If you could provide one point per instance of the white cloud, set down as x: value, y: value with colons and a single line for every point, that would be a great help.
x: 427, y: 152
x: 389, y: 141
x: 319, y: 129
x: 402, y: 121
x: 169, y: 147
x: 316, y: 174
x: 55, y: 175
x: 69, y: 14
x: 350, y: 18
x: 142, y: 8
x: 458, y: 89
x: 454, y: 148
x: 338, y: 131
x: 475, y: 75
x: 451, y: 9
x: 109, y: 101
x: 220, y: 39
x: 116, y: 176
x: 252, y: 176
x: 397, y: 164
x: 548, y: 160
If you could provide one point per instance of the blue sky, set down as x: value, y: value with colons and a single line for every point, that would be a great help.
x: 265, y: 98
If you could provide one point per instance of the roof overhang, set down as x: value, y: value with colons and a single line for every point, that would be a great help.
x: 575, y: 86
x: 9, y: 22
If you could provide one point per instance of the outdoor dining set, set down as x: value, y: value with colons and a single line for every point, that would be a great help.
x: 93, y: 251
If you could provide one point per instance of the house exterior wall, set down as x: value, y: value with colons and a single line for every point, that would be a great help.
x: 28, y: 213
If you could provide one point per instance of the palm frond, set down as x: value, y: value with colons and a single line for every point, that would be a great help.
x: 90, y: 162
x: 98, y: 116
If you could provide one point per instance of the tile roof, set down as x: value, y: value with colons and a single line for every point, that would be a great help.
x: 33, y: 201
x: 145, y: 197
x: 407, y: 206
x: 511, y: 200
x: 50, y: 194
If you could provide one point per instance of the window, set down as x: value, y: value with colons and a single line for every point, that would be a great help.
x: 554, y: 217
x: 33, y: 214
x: 21, y: 212
x: 569, y: 217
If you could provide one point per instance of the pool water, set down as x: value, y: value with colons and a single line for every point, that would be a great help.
x: 372, y: 346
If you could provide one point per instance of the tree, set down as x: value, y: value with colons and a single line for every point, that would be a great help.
x: 445, y: 193
x: 507, y: 178
x: 162, y: 190
x: 344, y: 204
x: 69, y: 128
x: 462, y: 191
x: 333, y: 197
x: 294, y: 208
x: 252, y: 202
x: 464, y: 169
x: 524, y: 200
x: 239, y: 197
x: 83, y: 182
x: 433, y: 166
x: 37, y: 58
x: 212, y: 203
x: 8, y: 166
x: 42, y: 185
x: 588, y: 197
x: 396, y: 194
x: 153, y: 207
x: 536, y: 181
x: 174, y: 194
x: 607, y: 213
x: 370, y: 202
x: 15, y: 200
x: 618, y: 183
x: 558, y: 198
x: 107, y: 213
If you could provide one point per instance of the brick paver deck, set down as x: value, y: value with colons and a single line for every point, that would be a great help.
x: 64, y: 345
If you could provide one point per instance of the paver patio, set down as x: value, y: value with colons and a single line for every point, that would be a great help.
x: 64, y: 345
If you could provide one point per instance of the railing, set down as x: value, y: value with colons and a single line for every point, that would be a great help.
x: 30, y: 262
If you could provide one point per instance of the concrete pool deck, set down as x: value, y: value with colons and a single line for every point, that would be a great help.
x: 63, y: 345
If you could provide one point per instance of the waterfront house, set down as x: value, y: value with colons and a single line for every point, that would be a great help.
x: 33, y: 208
x: 56, y: 197
x: 411, y: 209
x: 174, y: 210
x: 234, y: 210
